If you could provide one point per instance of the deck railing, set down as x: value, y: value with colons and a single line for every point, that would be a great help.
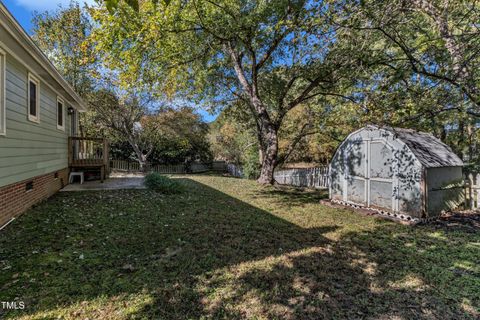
x: 88, y: 152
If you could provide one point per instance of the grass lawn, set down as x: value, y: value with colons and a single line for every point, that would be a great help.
x: 229, y: 248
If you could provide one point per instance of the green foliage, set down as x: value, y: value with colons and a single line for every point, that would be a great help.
x: 157, y: 182
x: 181, y: 135
x: 418, y: 68
x: 268, y: 58
x: 251, y: 164
x: 64, y: 37
x: 231, y: 135
x: 397, y: 63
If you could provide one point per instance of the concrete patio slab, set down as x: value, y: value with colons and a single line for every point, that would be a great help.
x: 113, y: 183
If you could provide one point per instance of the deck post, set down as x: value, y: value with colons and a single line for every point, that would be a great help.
x: 93, y: 153
x: 106, y: 156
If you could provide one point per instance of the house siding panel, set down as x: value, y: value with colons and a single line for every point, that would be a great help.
x: 30, y: 149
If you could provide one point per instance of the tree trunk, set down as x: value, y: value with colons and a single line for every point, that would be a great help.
x: 267, y: 131
x: 260, y: 155
x: 443, y: 134
x: 142, y: 161
x: 141, y: 157
x: 270, y: 155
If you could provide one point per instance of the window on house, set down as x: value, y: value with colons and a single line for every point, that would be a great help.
x: 60, y: 114
x: 33, y: 99
x: 3, y: 107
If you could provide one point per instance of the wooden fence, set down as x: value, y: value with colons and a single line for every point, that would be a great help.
x: 472, y: 191
x: 197, y: 167
x: 303, y: 177
x: 123, y: 165
x: 220, y: 166
x: 132, y: 166
x: 299, y: 177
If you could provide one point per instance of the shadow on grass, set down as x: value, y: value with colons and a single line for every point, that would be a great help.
x: 381, y: 274
x: 207, y: 254
x: 292, y: 196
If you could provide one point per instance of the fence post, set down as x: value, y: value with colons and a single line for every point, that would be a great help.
x: 470, y: 191
x: 477, y: 183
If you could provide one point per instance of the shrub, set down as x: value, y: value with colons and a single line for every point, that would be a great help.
x: 157, y: 182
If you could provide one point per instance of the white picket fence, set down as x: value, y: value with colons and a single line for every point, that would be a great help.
x: 472, y: 191
x: 303, y: 177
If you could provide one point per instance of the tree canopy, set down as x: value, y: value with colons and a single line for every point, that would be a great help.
x: 271, y: 56
x: 291, y: 76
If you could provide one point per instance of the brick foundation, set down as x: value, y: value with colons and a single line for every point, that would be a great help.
x: 14, y: 199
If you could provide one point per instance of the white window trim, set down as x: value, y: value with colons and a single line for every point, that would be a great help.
x: 32, y: 78
x: 62, y: 101
x: 3, y: 93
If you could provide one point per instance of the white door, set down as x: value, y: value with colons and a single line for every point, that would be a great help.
x: 355, y: 182
x: 369, y: 174
x: 380, y: 175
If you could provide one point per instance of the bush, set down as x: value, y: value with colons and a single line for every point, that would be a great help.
x: 157, y: 182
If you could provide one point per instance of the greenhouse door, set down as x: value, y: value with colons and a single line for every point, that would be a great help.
x: 355, y: 182
x: 380, y: 175
x: 369, y: 174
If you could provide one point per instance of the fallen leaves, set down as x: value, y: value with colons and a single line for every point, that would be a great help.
x: 230, y: 249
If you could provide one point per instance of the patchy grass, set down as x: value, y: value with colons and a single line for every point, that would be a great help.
x: 228, y: 248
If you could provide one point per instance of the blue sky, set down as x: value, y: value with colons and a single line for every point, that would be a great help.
x: 23, y: 10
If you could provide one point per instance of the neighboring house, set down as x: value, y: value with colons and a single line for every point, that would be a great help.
x: 38, y: 112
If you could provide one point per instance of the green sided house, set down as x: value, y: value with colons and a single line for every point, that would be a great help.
x: 38, y: 114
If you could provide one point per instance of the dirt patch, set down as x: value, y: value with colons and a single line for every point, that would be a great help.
x: 466, y: 220
x: 367, y: 212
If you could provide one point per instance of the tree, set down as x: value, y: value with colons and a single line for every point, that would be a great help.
x: 181, y: 135
x: 63, y: 36
x: 273, y: 56
x: 125, y: 114
x: 421, y: 64
x: 233, y: 139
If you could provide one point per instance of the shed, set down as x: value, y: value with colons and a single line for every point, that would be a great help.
x: 397, y: 170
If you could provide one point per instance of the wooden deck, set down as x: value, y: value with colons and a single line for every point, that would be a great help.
x: 85, y: 152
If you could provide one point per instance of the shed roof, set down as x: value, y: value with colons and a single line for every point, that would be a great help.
x: 430, y: 151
